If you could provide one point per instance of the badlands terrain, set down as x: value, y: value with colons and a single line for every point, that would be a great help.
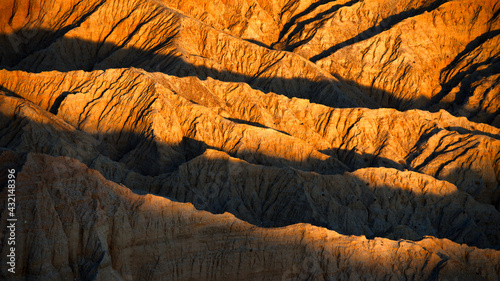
x: 250, y: 139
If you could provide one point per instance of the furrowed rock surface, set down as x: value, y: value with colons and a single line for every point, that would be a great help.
x: 218, y: 187
x: 251, y: 140
x: 99, y: 230
x: 151, y: 123
x: 443, y: 55
x: 350, y: 203
x: 158, y: 38
x: 404, y: 54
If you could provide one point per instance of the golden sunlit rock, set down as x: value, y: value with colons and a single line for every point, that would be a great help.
x: 250, y: 140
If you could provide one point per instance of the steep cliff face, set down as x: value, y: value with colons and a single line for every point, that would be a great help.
x: 252, y: 139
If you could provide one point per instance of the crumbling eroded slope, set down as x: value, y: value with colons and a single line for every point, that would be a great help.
x: 403, y: 54
x: 249, y: 139
x: 352, y: 203
x: 260, y: 128
x: 100, y: 230
x: 444, y: 57
x: 154, y: 37
x: 278, y: 132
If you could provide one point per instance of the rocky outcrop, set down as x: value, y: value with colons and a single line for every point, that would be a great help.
x: 252, y: 139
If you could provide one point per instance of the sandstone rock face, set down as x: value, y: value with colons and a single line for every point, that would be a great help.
x: 259, y: 140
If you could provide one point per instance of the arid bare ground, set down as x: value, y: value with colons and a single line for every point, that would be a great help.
x: 250, y: 140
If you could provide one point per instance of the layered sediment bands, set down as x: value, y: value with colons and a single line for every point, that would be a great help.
x: 414, y: 54
x: 100, y: 230
x: 156, y: 38
x: 252, y: 140
x: 260, y: 128
x: 110, y: 109
x: 141, y: 106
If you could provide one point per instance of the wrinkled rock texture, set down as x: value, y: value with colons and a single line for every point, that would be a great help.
x: 251, y: 140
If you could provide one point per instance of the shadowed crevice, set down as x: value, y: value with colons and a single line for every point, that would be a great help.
x: 292, y: 21
x: 471, y: 73
x: 299, y: 27
x: 57, y: 103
